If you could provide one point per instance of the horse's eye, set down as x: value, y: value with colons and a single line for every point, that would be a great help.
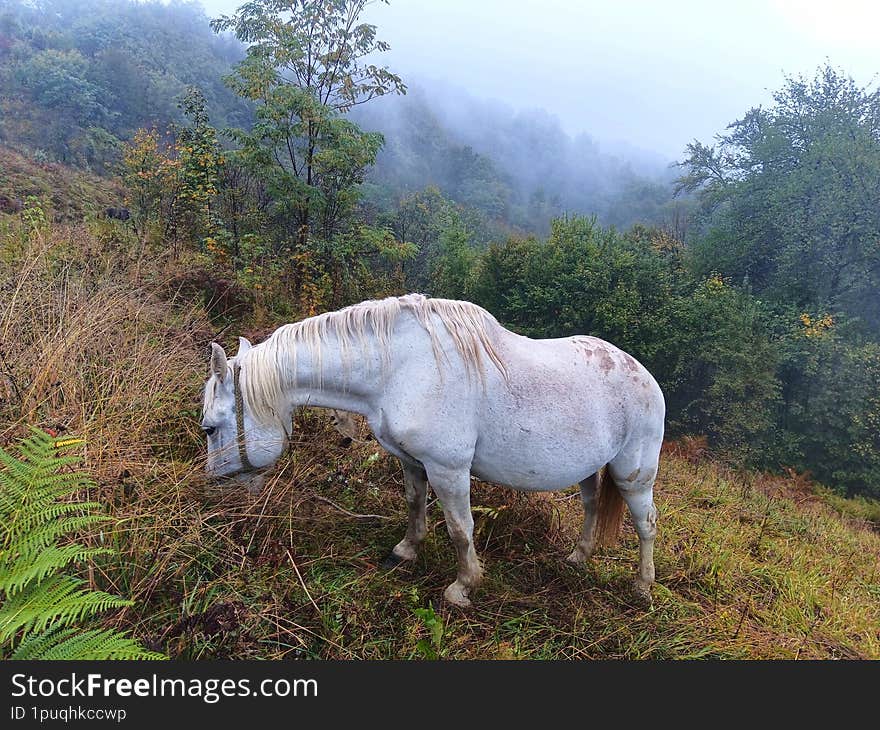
x: 209, y: 430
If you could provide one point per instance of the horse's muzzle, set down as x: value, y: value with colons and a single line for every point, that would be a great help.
x: 253, y: 481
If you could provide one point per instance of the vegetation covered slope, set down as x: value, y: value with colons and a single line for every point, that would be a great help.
x: 748, y: 565
x: 69, y: 193
x: 79, y: 77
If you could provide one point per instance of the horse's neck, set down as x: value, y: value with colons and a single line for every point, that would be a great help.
x: 331, y: 378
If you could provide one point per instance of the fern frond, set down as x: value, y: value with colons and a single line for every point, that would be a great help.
x: 86, y: 645
x: 39, y: 537
x: 35, y: 646
x: 57, y: 600
x: 42, y: 607
x: 16, y: 575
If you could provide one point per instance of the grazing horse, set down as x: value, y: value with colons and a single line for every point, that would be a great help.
x: 452, y: 393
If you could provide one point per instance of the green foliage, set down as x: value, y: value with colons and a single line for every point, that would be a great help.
x: 42, y: 605
x: 434, y: 623
x: 173, y: 182
x: 58, y: 79
x: 200, y: 172
x: 830, y: 410
x: 584, y: 278
x: 306, y: 66
x: 789, y: 214
x: 723, y: 375
x: 789, y: 198
x: 78, y: 78
x: 425, y: 218
x: 452, y: 263
x: 364, y: 262
x: 150, y: 176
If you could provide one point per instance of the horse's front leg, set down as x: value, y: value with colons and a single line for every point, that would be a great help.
x: 415, y: 484
x: 453, y: 488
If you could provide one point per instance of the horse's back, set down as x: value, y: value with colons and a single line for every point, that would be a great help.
x: 566, y: 408
x: 560, y: 410
x: 580, y: 375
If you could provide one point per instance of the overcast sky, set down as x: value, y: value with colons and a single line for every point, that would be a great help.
x: 655, y: 75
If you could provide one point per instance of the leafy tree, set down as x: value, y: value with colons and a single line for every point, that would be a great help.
x: 421, y: 218
x: 199, y: 172
x: 720, y: 372
x: 150, y: 174
x: 173, y: 182
x: 582, y: 279
x: 451, y: 266
x: 306, y: 65
x: 829, y: 414
x: 790, y: 198
x: 58, y: 79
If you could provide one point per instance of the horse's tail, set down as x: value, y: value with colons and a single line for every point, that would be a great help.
x: 609, y: 509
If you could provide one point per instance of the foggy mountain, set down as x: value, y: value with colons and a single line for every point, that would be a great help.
x: 517, y: 165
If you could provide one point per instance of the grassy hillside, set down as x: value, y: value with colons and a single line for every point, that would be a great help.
x: 101, y: 339
x: 66, y: 193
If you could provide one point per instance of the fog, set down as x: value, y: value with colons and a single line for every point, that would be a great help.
x: 640, y: 78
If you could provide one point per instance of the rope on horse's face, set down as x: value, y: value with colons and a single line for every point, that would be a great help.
x: 239, y: 420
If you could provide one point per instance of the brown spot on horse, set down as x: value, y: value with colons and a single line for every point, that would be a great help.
x: 606, y: 362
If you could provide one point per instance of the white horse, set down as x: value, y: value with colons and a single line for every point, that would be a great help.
x: 451, y: 393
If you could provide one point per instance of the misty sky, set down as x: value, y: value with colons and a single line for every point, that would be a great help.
x: 655, y: 75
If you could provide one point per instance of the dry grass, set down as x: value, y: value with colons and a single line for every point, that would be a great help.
x: 90, y: 348
x: 749, y: 566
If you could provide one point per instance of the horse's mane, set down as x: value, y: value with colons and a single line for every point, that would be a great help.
x: 271, y: 365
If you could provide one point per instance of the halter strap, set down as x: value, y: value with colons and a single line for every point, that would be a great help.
x: 239, y: 420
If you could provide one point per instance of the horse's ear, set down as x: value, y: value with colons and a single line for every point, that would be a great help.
x: 244, y: 345
x: 218, y: 361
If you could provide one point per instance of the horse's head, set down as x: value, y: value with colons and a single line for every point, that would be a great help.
x: 238, y: 443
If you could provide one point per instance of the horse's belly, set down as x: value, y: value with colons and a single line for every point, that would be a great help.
x: 529, y: 482
x: 538, y: 468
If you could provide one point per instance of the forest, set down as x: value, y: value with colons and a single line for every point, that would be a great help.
x: 262, y: 184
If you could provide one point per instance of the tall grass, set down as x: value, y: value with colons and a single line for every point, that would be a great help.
x: 90, y: 347
x: 98, y: 342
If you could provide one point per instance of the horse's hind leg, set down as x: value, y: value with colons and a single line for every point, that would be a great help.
x: 634, y: 476
x: 453, y: 488
x: 587, y: 544
x: 415, y: 484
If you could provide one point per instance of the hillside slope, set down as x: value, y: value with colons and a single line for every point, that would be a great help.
x: 109, y: 347
x: 68, y: 193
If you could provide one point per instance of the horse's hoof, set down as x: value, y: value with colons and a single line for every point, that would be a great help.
x: 457, y: 596
x: 642, y: 592
x: 391, y: 561
x: 576, y: 557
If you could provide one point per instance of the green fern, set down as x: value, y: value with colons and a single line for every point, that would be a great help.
x: 43, y: 606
